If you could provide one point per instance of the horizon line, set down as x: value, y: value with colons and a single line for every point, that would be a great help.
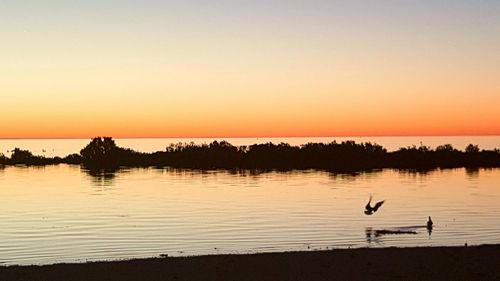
x: 245, y: 137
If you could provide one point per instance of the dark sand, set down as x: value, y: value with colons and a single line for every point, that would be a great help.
x: 436, y: 263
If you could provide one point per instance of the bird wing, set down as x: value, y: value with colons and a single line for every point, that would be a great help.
x: 368, y: 207
x: 375, y: 208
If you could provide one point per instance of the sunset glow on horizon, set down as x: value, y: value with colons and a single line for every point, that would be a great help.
x: 78, y: 69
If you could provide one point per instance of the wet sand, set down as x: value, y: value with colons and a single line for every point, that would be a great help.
x: 433, y: 263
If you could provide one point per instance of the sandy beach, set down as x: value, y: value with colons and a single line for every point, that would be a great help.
x: 430, y: 263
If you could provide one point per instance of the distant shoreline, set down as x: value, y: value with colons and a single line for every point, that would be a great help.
x: 346, y: 156
x: 258, y: 137
x: 420, y: 263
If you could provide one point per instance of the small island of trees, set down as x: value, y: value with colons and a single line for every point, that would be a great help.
x: 102, y: 152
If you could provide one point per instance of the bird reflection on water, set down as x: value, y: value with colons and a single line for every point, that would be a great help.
x: 374, y: 234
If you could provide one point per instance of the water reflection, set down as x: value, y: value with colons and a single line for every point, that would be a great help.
x: 101, y: 177
x: 472, y: 173
x: 107, y: 177
x: 374, y: 235
x: 417, y: 172
x: 345, y: 177
x: 51, y: 215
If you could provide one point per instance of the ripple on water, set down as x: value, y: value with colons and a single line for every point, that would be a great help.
x: 53, y: 215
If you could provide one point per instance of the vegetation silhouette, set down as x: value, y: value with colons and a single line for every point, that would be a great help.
x: 19, y: 157
x: 103, y: 152
x: 346, y: 157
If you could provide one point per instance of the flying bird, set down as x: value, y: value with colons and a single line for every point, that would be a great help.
x: 369, y: 210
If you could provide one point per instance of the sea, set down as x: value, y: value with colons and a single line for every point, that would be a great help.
x: 65, y: 213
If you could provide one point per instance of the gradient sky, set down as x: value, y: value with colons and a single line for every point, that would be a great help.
x: 74, y: 68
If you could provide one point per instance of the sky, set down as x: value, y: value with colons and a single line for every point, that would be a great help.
x: 74, y: 68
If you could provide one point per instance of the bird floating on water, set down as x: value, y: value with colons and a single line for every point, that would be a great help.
x: 369, y: 210
x: 429, y: 226
x: 429, y: 223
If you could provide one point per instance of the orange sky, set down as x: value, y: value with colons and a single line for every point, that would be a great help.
x: 178, y: 69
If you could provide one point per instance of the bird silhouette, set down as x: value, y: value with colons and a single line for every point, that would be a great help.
x: 429, y: 223
x: 369, y: 210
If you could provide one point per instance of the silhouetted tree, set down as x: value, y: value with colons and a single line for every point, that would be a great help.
x: 3, y: 159
x: 98, y: 149
x: 472, y: 148
x: 101, y: 151
x: 73, y: 159
x: 20, y: 156
x: 445, y: 148
x: 348, y: 156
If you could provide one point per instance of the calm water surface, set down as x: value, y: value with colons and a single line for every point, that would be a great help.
x: 65, y: 214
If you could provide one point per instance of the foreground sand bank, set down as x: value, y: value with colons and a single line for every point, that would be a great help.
x: 434, y: 263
